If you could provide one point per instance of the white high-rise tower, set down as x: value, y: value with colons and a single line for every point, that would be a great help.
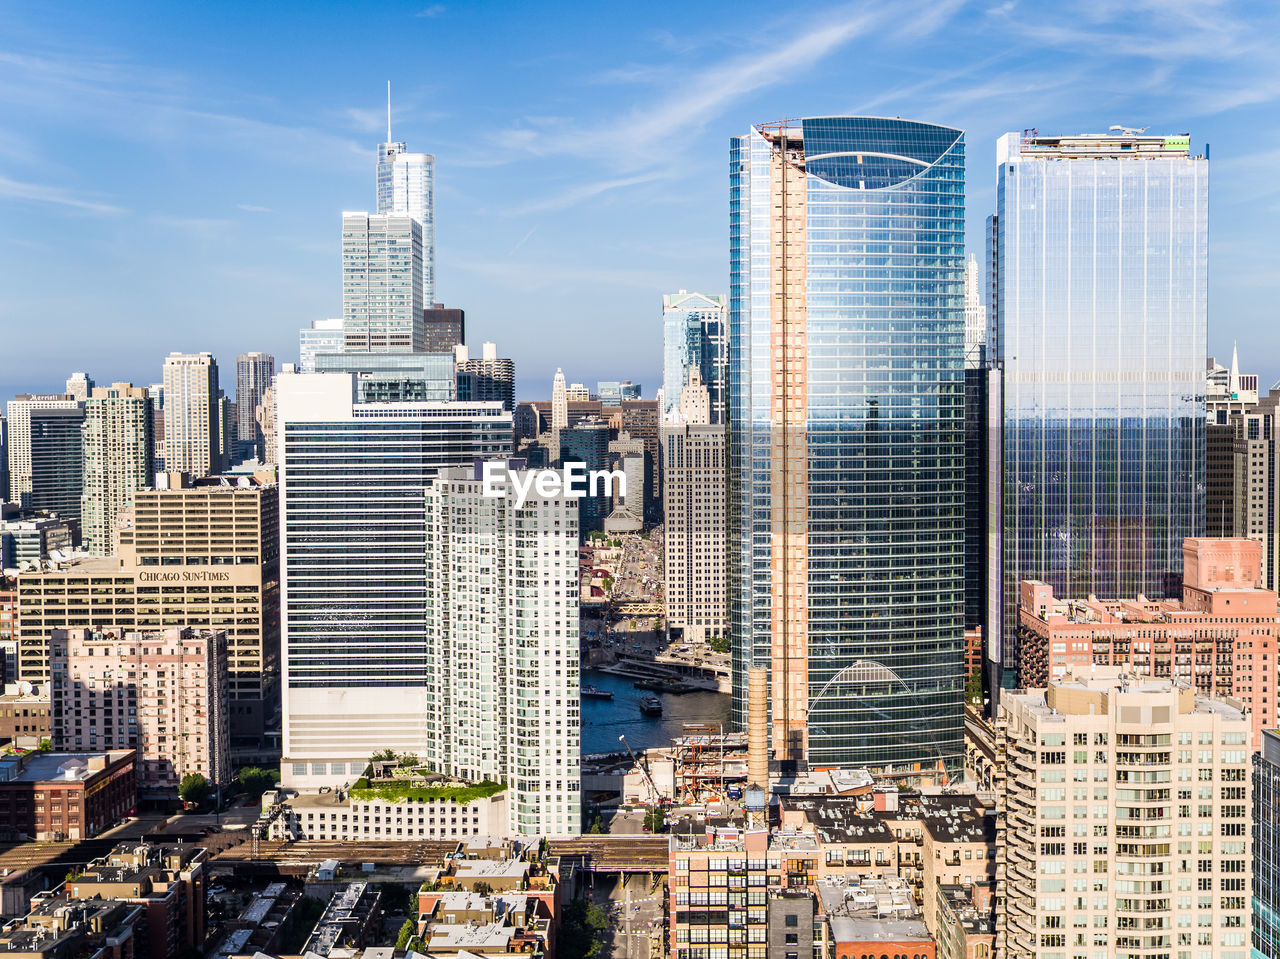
x: 406, y: 186
x: 559, y: 412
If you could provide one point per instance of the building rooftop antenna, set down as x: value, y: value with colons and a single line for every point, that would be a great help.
x: 388, y: 111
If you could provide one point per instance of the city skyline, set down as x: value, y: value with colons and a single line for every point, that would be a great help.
x: 532, y: 181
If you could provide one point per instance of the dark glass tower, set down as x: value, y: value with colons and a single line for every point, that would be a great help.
x: 1101, y: 270
x: 846, y: 438
x: 57, y: 463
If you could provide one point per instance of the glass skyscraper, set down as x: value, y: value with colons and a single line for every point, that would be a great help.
x: 846, y: 438
x: 1266, y: 847
x: 694, y: 337
x: 1101, y: 246
x: 406, y: 187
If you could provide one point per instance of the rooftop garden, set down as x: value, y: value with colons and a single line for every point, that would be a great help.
x: 394, y: 778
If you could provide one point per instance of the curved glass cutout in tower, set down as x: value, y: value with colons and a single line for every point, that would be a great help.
x: 846, y: 438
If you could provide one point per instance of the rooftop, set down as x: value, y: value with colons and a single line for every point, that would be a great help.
x: 39, y: 767
x: 871, y: 910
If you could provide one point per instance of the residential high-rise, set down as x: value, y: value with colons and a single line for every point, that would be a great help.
x: 193, y: 413
x: 162, y: 693
x: 1221, y: 638
x: 502, y: 631
x: 57, y: 462
x: 406, y: 187
x: 118, y: 448
x: 846, y: 438
x: 323, y: 336
x: 382, y: 284
x: 18, y: 441
x: 694, y: 336
x: 254, y: 372
x: 1124, y: 826
x: 485, y: 378
x: 1101, y: 297
x: 693, y: 482
x: 354, y: 573
x: 1266, y: 847
x: 79, y: 386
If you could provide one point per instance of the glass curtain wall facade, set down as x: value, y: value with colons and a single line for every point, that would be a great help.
x: 1101, y: 265
x: 1266, y: 847
x: 694, y: 336
x: 846, y: 438
x: 406, y: 186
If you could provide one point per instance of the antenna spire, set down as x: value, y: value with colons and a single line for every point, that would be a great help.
x: 388, y: 111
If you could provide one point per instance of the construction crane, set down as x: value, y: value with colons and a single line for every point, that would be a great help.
x: 644, y: 773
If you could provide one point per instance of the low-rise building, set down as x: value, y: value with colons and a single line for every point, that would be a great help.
x: 453, y: 922
x: 721, y: 875
x: 959, y: 848
x: 49, y: 796
x: 25, y: 717
x: 353, y: 913
x: 378, y: 811
x: 966, y: 921
x: 168, y: 881
x: 61, y: 928
x: 871, y: 919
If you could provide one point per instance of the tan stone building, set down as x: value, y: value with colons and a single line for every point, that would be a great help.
x: 164, y: 694
x: 693, y: 468
x: 202, y: 555
x: 1125, y: 825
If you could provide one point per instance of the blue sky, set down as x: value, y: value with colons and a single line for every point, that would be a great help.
x: 172, y: 175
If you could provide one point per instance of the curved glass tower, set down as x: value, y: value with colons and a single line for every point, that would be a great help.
x: 846, y: 438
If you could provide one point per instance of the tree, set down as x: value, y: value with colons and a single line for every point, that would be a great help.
x: 383, y: 755
x: 973, y: 689
x: 407, y: 931
x: 597, y: 827
x: 255, y: 780
x: 656, y: 819
x: 719, y: 644
x: 582, y: 930
x: 45, y: 745
x: 193, y: 788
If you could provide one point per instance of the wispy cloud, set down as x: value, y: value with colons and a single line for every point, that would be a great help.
x: 53, y: 195
x: 100, y: 90
x: 253, y: 208
x: 648, y: 142
x: 433, y: 11
x: 585, y: 191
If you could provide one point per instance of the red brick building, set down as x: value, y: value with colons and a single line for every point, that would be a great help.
x: 1221, y: 638
x: 50, y: 796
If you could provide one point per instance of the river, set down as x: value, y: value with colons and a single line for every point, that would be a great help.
x: 604, y: 720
